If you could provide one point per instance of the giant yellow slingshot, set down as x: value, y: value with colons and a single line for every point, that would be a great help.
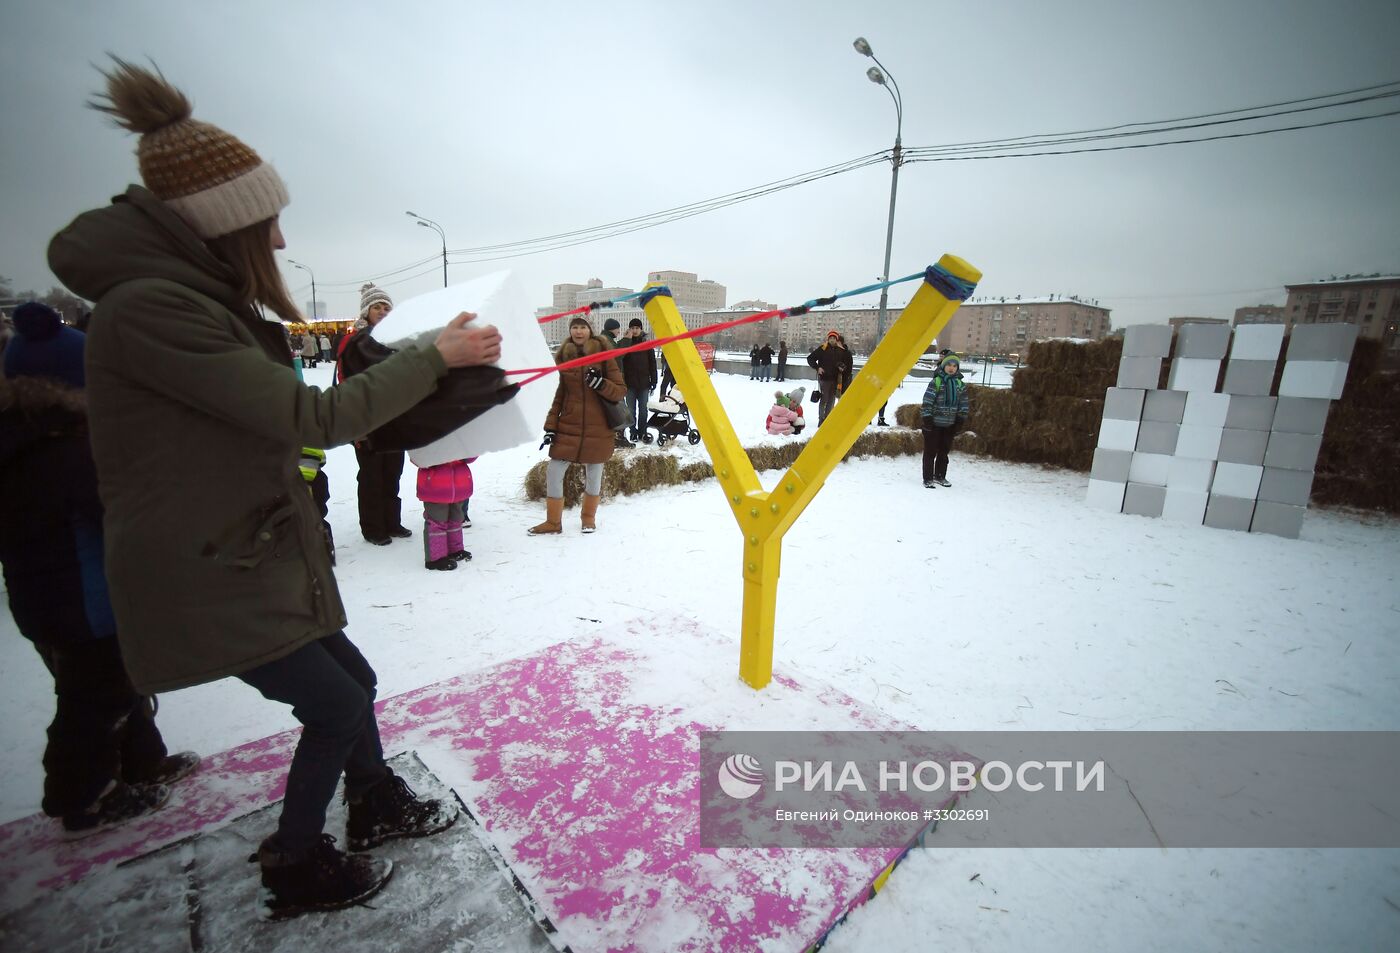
x: 764, y: 517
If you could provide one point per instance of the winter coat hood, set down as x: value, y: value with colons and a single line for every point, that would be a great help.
x: 137, y: 236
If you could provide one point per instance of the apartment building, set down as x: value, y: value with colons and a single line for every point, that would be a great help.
x: 1259, y: 314
x: 1371, y: 302
x: 1004, y: 326
x: 801, y: 332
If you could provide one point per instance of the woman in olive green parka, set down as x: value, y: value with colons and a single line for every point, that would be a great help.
x: 215, y: 560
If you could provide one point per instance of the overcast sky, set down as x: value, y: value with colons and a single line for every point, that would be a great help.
x: 512, y: 121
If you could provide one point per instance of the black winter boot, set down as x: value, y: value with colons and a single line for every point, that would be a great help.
x: 319, y: 878
x: 117, y: 805
x: 390, y: 809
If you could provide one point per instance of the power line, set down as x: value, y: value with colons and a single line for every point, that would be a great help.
x: 922, y: 152
x: 1153, y: 145
x: 1007, y: 148
x: 1170, y: 123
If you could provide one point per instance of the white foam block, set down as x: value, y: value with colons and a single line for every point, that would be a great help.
x: 1199, y: 443
x: 1240, y: 480
x: 1190, y: 475
x: 1193, y: 374
x: 497, y: 299
x: 1113, y: 434
x: 1106, y: 495
x: 1185, y: 506
x: 1149, y: 468
x: 1313, y: 379
x: 1257, y: 342
x: 1206, y: 409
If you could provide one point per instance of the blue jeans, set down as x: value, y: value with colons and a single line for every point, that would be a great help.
x: 637, y: 398
x: 331, y: 689
x: 765, y: 372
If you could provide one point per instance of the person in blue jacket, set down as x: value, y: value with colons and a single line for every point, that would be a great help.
x: 106, y: 761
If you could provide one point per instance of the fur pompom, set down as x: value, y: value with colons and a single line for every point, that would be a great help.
x: 140, y: 100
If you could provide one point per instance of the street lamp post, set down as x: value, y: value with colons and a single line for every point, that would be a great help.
x: 878, y: 74
x: 429, y: 223
x: 313, y: 285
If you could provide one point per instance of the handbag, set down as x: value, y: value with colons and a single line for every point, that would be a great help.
x: 615, y: 413
x: 816, y: 397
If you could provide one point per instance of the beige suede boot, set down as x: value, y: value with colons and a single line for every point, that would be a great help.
x: 554, y: 518
x: 590, y: 512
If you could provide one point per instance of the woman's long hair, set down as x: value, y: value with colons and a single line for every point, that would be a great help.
x: 248, y: 252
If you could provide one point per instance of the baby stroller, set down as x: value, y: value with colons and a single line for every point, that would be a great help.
x: 670, y: 418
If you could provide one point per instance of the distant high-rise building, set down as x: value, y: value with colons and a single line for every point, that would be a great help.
x: 315, y: 311
x: 1371, y: 302
x: 690, y: 292
x: 564, y: 297
x: 1259, y: 314
x: 1004, y: 326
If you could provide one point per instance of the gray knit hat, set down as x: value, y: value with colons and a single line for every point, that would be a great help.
x: 372, y: 295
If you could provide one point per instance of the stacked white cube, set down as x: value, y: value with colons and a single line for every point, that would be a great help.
x: 1237, y: 459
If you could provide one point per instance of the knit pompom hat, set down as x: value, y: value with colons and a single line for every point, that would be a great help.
x: 210, y: 178
x: 43, y: 346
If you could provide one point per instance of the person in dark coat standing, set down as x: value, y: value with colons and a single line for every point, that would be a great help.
x: 833, y: 363
x: 215, y: 557
x: 576, y: 429
x: 639, y: 374
x: 944, y: 410
x: 609, y: 337
x: 106, y: 762
x: 381, y: 509
x: 782, y: 361
x: 765, y: 362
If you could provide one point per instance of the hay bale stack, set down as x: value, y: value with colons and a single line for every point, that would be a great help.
x: 1361, y: 446
x: 1055, y: 430
x: 1067, y: 369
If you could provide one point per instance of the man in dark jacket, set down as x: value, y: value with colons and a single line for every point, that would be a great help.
x: 610, y: 328
x: 782, y: 361
x: 639, y: 374
x: 106, y: 761
x: 381, y: 509
x: 765, y: 362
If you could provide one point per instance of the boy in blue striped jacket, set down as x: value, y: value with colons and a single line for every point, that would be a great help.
x: 945, y: 409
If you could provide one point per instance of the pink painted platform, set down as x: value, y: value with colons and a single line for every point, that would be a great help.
x: 581, y: 762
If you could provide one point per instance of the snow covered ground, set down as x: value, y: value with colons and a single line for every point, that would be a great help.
x: 1001, y: 603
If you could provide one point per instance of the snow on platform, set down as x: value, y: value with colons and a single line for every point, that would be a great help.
x: 581, y: 763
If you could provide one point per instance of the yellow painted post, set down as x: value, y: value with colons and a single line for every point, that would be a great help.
x: 764, y: 517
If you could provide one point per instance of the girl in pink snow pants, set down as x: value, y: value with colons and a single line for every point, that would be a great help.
x: 444, y: 490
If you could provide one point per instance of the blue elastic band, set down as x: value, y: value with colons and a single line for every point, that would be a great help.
x: 816, y: 302
x: 646, y: 295
x: 948, y: 284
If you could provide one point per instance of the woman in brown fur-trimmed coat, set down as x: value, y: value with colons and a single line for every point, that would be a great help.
x: 576, y: 429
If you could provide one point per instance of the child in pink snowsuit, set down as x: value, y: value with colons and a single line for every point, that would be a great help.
x: 445, y: 490
x: 785, y: 417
